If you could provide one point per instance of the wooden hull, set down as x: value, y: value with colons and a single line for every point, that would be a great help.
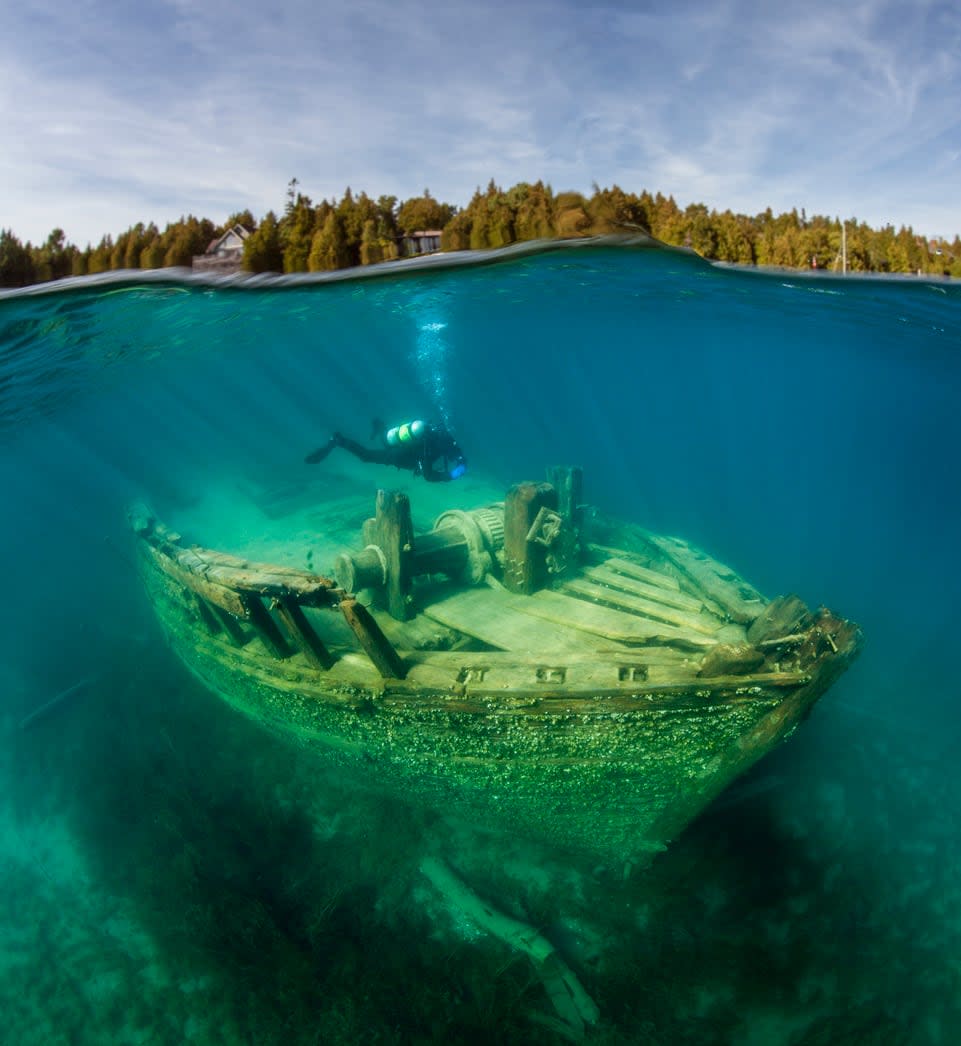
x: 609, y: 750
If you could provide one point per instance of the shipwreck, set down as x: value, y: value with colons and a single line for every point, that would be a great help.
x: 528, y: 665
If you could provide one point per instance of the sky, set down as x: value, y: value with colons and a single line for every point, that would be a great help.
x: 113, y: 112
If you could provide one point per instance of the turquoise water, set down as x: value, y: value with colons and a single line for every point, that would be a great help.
x: 171, y: 874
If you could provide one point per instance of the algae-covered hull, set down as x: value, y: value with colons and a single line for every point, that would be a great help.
x: 589, y: 685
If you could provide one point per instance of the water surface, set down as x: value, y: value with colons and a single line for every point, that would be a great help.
x: 171, y: 876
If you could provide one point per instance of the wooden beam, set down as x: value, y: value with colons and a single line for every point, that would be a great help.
x: 376, y: 645
x: 217, y: 595
x: 392, y: 531
x: 206, y: 614
x: 635, y: 570
x: 525, y: 562
x: 669, y: 597
x: 231, y: 626
x: 569, y: 484
x: 739, y: 600
x: 302, y: 633
x: 266, y: 627
x: 645, y: 607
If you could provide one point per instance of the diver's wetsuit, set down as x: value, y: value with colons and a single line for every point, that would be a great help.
x: 435, y: 455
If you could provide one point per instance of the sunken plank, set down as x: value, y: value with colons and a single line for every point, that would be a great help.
x: 604, y: 575
x: 241, y: 575
x: 706, y: 626
x: 635, y: 570
x: 219, y: 595
x: 497, y: 618
x: 610, y: 624
x: 741, y: 601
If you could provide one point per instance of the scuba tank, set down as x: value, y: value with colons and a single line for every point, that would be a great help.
x: 409, y: 432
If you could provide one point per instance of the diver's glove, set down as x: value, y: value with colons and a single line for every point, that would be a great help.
x: 318, y: 455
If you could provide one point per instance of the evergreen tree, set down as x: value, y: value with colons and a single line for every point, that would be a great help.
x: 54, y: 259
x: 456, y: 233
x: 297, y: 231
x: 16, y: 265
x: 263, y: 250
x: 329, y: 249
x: 99, y: 258
x: 423, y: 213
x: 244, y: 218
x: 570, y: 214
x: 613, y: 210
x: 533, y: 211
x: 152, y: 253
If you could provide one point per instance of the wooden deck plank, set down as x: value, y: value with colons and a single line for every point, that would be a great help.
x: 496, y: 617
x: 584, y: 589
x: 610, y: 624
x: 607, y: 575
x: 635, y: 570
x: 736, y: 597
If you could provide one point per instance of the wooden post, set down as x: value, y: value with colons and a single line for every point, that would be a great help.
x: 302, y: 633
x: 376, y: 645
x: 266, y: 628
x: 569, y: 484
x: 565, y: 553
x: 525, y: 563
x: 392, y: 531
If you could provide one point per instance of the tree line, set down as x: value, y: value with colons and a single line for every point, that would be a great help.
x: 358, y: 230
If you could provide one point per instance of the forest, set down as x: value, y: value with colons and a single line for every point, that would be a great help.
x: 358, y: 230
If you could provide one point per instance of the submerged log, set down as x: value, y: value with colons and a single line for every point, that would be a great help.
x: 58, y: 699
x: 574, y: 1007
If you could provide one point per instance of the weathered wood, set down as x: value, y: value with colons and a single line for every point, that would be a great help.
x: 645, y: 607
x: 376, y: 645
x: 780, y: 618
x: 206, y: 614
x: 728, y: 659
x: 569, y: 483
x: 364, y: 569
x: 669, y: 597
x: 443, y: 551
x: 303, y: 635
x: 497, y: 618
x: 635, y: 570
x: 392, y: 531
x: 600, y: 709
x: 525, y: 562
x: 741, y: 601
x: 218, y: 595
x: 219, y: 578
x: 235, y: 631
x: 565, y: 554
x: 608, y: 623
x: 265, y: 625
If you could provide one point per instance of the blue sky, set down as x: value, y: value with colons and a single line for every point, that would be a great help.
x: 114, y: 112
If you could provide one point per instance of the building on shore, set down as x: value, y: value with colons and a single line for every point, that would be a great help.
x: 421, y: 242
x: 225, y: 254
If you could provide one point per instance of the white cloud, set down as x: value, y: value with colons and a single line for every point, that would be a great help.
x: 181, y: 107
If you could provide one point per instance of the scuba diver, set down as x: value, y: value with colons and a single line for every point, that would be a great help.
x: 424, y: 448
